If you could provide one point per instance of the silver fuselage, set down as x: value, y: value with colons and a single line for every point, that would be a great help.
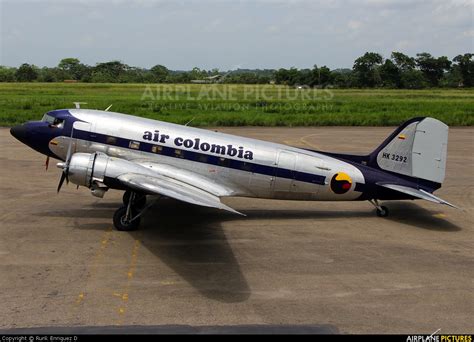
x: 274, y: 170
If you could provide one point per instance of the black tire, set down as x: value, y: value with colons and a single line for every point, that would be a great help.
x: 382, y: 212
x: 120, y: 223
x: 139, y: 202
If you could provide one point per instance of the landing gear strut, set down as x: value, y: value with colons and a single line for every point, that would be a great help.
x: 139, y: 200
x: 127, y: 217
x: 382, y: 211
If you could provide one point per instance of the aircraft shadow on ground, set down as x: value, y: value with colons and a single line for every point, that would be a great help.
x: 412, y: 214
x: 187, y: 238
x: 404, y: 212
x: 190, y: 239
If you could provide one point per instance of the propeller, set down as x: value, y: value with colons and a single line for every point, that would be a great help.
x: 65, y: 165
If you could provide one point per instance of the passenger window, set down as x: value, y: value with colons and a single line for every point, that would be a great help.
x: 202, y: 158
x: 223, y: 162
x: 156, y: 149
x: 247, y: 167
x: 179, y: 153
x: 111, y: 140
x: 135, y: 145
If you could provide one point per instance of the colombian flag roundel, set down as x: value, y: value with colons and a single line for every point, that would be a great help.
x: 341, y: 183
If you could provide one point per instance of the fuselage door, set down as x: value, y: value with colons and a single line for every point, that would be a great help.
x: 285, y: 171
x: 82, y: 135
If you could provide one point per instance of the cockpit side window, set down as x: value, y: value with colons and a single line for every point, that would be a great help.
x: 54, y: 122
x: 59, y: 123
x: 48, y: 118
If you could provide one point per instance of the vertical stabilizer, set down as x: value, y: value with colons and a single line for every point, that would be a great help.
x: 418, y: 148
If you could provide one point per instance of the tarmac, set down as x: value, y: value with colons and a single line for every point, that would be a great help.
x: 328, y: 267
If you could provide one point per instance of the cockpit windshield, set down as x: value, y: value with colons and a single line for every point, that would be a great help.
x: 48, y: 118
x: 54, y: 122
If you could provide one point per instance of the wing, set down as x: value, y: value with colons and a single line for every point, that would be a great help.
x: 175, y: 188
x: 418, y: 193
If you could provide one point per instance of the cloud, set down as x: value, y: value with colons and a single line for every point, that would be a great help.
x: 404, y: 45
x: 469, y: 33
x: 222, y: 34
x: 272, y: 29
x: 95, y: 15
x: 354, y: 24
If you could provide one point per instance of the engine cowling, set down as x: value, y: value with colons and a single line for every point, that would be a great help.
x: 93, y: 169
x: 85, y: 168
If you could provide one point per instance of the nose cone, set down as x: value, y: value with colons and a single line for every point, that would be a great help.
x: 37, y: 135
x: 19, y: 132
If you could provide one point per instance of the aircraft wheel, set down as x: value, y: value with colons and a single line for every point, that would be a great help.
x: 382, y: 212
x: 120, y: 221
x: 139, y: 201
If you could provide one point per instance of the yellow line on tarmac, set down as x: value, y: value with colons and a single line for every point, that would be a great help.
x: 303, y: 140
x: 130, y: 273
x: 293, y: 142
x: 93, y: 265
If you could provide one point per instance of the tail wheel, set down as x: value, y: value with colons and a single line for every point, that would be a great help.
x: 382, y: 211
x: 122, y: 223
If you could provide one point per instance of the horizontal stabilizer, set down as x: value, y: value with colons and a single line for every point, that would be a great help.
x: 418, y: 193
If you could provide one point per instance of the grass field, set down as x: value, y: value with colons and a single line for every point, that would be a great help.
x: 240, y: 105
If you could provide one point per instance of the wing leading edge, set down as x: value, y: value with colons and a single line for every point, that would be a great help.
x: 418, y: 193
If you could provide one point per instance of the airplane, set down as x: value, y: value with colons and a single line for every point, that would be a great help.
x: 103, y: 150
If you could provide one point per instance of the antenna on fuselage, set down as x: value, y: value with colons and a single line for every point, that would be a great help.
x: 78, y: 104
x: 107, y: 109
x: 187, y: 123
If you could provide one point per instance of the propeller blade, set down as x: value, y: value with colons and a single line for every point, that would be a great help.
x: 47, y: 163
x: 69, y: 149
x: 61, y: 181
x: 65, y: 165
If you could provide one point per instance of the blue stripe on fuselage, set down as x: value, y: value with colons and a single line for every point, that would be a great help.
x: 203, y: 158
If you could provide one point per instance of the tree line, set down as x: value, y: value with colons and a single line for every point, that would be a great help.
x: 369, y: 71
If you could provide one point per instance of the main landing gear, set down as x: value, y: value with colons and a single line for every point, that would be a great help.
x: 127, y: 217
x: 382, y: 211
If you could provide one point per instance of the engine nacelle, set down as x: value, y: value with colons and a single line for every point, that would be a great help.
x: 92, y: 169
x: 84, y: 168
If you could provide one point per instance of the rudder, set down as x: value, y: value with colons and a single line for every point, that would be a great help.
x: 418, y: 148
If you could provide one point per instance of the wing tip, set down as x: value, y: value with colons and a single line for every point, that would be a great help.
x: 232, y: 210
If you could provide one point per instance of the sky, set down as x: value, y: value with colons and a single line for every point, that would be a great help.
x: 230, y: 34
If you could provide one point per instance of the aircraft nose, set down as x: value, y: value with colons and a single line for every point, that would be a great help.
x: 19, y: 132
